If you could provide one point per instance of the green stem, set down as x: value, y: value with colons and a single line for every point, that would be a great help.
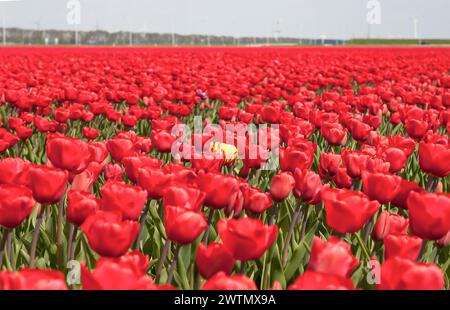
x: 363, y: 246
x: 295, y: 217
x: 162, y: 260
x: 173, y: 264
x: 6, y: 234
x: 60, y: 232
x: 142, y: 225
x: 35, y: 237
x: 208, y: 227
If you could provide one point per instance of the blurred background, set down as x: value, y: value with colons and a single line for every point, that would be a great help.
x: 224, y: 23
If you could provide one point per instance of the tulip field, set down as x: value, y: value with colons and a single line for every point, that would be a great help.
x: 314, y: 168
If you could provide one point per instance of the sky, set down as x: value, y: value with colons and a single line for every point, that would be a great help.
x: 338, y: 19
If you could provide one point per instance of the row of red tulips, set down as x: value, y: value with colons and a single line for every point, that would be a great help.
x: 93, y: 197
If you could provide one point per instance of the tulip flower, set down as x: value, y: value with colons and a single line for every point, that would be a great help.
x: 113, y: 172
x: 293, y: 158
x: 307, y: 186
x: 255, y: 201
x: 403, y: 274
x: 13, y: 171
x: 389, y: 223
x: 406, y: 187
x: 429, y: 215
x: 120, y: 148
x: 347, y: 211
x: 48, y: 184
x: 163, y: 141
x: 402, y: 245
x: 116, y: 275
x: 90, y: 133
x: 332, y: 257
x: 16, y: 204
x: 80, y: 205
x: 221, y: 281
x: 184, y: 197
x: 282, y: 186
x: 222, y: 191
x: 108, y: 234
x: 334, y: 133
x: 32, y: 279
x: 68, y: 153
x: 154, y: 181
x: 434, y: 159
x: 396, y: 158
x: 246, y: 238
x: 133, y: 163
x: 356, y: 162
x: 381, y: 187
x: 183, y: 226
x: 214, y: 258
x: 329, y: 164
x: 125, y: 198
x: 311, y: 280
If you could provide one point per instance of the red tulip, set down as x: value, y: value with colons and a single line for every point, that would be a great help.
x: 311, y: 280
x: 342, y: 179
x: 416, y: 128
x: 403, y: 274
x: 246, y: 238
x: 222, y: 191
x: 68, y: 153
x: 347, y: 211
x: 90, y: 133
x: 380, y: 186
x: 434, y: 159
x: 13, y: 171
x: 403, y: 246
x: 396, y: 159
x: 16, y: 204
x: 406, y: 187
x: 214, y: 258
x: 125, y: 198
x: 377, y: 165
x: 32, y: 279
x: 333, y: 133
x: 221, y: 281
x: 135, y: 259
x: 293, y: 158
x: 389, y: 223
x: 184, y: 197
x: 115, y: 275
x: 359, y: 130
x: 356, y: 162
x: 120, y: 148
x: 84, y: 181
x: 154, y: 181
x: 108, y: 234
x: 329, y: 164
x: 113, y: 172
x: 80, y: 205
x: 332, y: 257
x: 47, y: 184
x: 307, y: 186
x: 133, y: 163
x: 282, y: 186
x: 183, y: 226
x: 255, y: 201
x: 429, y: 215
x: 163, y: 141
